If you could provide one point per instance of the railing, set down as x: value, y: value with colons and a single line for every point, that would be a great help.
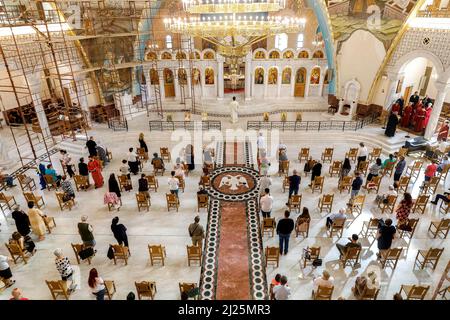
x: 156, y: 125
x: 311, y: 125
x: 118, y: 124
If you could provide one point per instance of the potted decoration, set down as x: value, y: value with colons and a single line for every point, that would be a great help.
x: 169, y: 117
x: 204, y: 116
x: 266, y: 116
x: 283, y: 116
x: 298, y: 117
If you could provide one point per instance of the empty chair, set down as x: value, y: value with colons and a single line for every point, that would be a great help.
x: 6, y: 202
x: 152, y: 183
x: 444, y: 207
x: 375, y: 153
x: 191, y: 289
x: 285, y: 184
x: 414, y: 292
x: 143, y: 201
x: 58, y: 288
x: 414, y: 169
x: 403, y: 183
x: 369, y: 228
x: 77, y: 248
x: 351, y: 255
x: 16, y: 251
x: 26, y: 183
x: 157, y: 253
x: 303, y: 154
x: 202, y: 202
x: 309, y: 255
x: 172, y: 201
x: 335, y: 168
x: 389, y: 258
x: 352, y: 154
x: 64, y: 204
x: 142, y: 155
x: 181, y: 183
x: 323, y: 293
x: 428, y: 258
x: 145, y: 289
x: 421, y: 203
x: 388, y: 205
x: 268, y: 226
x: 439, y: 228
x: 120, y: 253
x: 376, y: 181
x: 283, y: 167
x: 37, y: 200
x: 205, y: 181
x: 363, y: 166
x: 345, y: 184
x: 81, y: 182
x: 317, y: 184
x: 194, y: 254
x: 326, y: 202
x: 337, y: 227
x: 402, y: 152
x: 327, y: 155
x: 430, y: 186
x: 110, y: 288
x: 49, y: 223
x: 165, y: 153
x: 295, y: 202
x: 272, y: 255
x: 357, y: 204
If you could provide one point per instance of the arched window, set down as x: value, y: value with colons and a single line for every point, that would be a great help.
x: 300, y: 40
x: 169, y: 42
x: 281, y: 41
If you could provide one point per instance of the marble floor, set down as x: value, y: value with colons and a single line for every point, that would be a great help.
x: 170, y: 228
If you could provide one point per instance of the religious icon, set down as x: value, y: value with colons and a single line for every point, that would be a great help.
x: 181, y: 55
x: 169, y: 117
x: 301, y: 75
x: 209, y: 76
x: 266, y: 116
x: 399, y: 85
x: 208, y: 55
x: 286, y: 76
x: 274, y: 55
x: 259, y: 76
x: 182, y: 76
x: 298, y: 117
x: 260, y: 55
x: 204, y: 116
x: 151, y: 56
x: 154, y: 78
x: 166, y: 56
x: 288, y: 54
x: 315, y: 76
x: 283, y: 116
x: 168, y: 76
x: 195, y: 76
x: 303, y: 55
x: 273, y: 76
x: 318, y: 54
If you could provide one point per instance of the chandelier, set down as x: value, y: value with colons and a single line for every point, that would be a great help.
x: 233, y: 25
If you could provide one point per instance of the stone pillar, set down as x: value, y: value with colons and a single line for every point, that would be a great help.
x: 176, y: 84
x: 437, y: 108
x: 83, y: 99
x: 220, y: 78
x: 34, y: 83
x: 279, y: 83
x: 391, y: 95
x: 248, y: 76
x: 307, y: 82
x: 322, y: 78
x: 266, y: 81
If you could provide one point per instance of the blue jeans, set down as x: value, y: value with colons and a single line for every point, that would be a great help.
x: 9, y: 181
x: 100, y: 294
x: 354, y: 193
x: 175, y: 192
x: 284, y: 242
x: 293, y: 190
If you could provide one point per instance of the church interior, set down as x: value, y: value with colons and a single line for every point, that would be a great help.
x: 224, y: 149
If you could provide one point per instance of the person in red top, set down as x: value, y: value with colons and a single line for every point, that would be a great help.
x: 95, y: 169
x: 406, y: 119
x: 17, y: 295
x: 430, y: 171
x: 419, y: 119
x: 395, y: 108
x: 443, y: 132
x: 428, y: 112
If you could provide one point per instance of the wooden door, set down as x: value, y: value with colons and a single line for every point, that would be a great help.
x: 169, y: 87
x: 427, y: 75
x: 300, y: 82
x: 407, y: 93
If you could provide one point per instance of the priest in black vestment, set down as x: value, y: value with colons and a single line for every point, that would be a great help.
x: 391, y: 124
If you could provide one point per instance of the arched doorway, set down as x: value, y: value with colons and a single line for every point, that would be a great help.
x: 169, y: 87
x: 300, y: 83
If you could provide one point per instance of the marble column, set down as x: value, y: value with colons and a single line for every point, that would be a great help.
x: 279, y: 83
x: 220, y: 78
x: 322, y: 78
x: 34, y: 83
x: 266, y: 81
x: 176, y: 84
x: 437, y: 108
x: 391, y: 95
x: 248, y: 76
x: 307, y: 82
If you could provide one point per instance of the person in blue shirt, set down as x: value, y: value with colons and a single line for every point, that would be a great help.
x: 51, y: 172
x: 356, y: 185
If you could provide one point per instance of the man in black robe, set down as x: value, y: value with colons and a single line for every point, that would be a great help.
x: 414, y: 98
x: 91, y: 145
x: 391, y: 125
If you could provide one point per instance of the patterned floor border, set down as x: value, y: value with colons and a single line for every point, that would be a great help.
x: 249, y: 115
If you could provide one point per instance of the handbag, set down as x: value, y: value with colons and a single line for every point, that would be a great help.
x: 317, y: 262
x: 110, y: 253
x: 86, y: 253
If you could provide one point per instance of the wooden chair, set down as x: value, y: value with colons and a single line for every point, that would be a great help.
x: 303, y: 154
x: 314, y: 253
x: 188, y: 287
x: 16, y: 251
x: 49, y: 223
x: 345, y: 184
x: 37, y: 200
x: 389, y: 258
x: 302, y: 228
x: 268, y: 226
x: 439, y: 228
x: 431, y: 186
x: 370, y: 294
x: 181, y: 183
x: 326, y: 202
x: 402, y: 152
x: 125, y: 183
x: 317, y: 184
x: 363, y: 166
x: 374, y: 154
x: 357, y: 204
x: 351, y: 255
x: 414, y: 169
x: 421, y: 203
x: 272, y: 255
x: 323, y: 293
x: 142, y: 155
x: 403, y: 183
x: 408, y: 234
x: 143, y: 201
x: 109, y: 155
x: 58, y: 288
x: 194, y: 253
x: 152, y: 183
x: 428, y: 257
x: 369, y: 229
x: 77, y: 248
x: 295, y: 202
x: 337, y: 226
x: 389, y: 205
x: 157, y: 253
x: 64, y: 204
x: 285, y: 184
x: 172, y: 201
x: 6, y: 202
x: 165, y: 153
x: 146, y: 289
x: 26, y: 183
x: 327, y: 155
x: 120, y: 253
x: 110, y: 288
x: 202, y: 202
x: 81, y: 182
x: 283, y: 167
x: 205, y: 181
x: 158, y: 167
x: 443, y: 174
x: 335, y: 168
x: 444, y: 207
x: 377, y: 181
x: 389, y: 169
x: 352, y: 154
x: 51, y: 184
x: 414, y: 292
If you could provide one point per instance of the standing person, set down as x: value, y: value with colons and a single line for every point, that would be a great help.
x: 404, y: 209
x: 443, y: 131
x: 142, y: 144
x: 96, y: 284
x: 86, y: 232
x: 260, y: 142
x: 284, y: 229
x: 266, y: 203
x: 428, y: 112
x: 386, y: 233
x: 430, y: 171
x: 234, y: 108
x: 356, y: 185
x: 95, y: 169
x: 264, y: 163
x: 362, y: 153
x: 345, y: 169
x: 143, y: 185
x: 91, y: 145
x: 113, y: 186
x: 66, y: 161
x: 419, y: 119
x: 22, y: 221
x: 37, y: 222
x: 64, y: 268
x: 173, y: 184
x: 414, y: 98
x: 196, y: 232
x: 5, y: 271
x: 406, y: 118
x: 83, y: 169
x: 120, y: 232
x: 264, y: 183
x: 41, y: 173
x: 399, y: 167
x: 282, y: 291
x: 316, y: 171
x: 294, y: 183
x: 391, y: 125
x: 189, y: 154
x: 179, y: 171
x: 309, y: 164
x: 133, y: 161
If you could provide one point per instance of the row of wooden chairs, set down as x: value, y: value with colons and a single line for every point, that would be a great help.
x: 327, y: 155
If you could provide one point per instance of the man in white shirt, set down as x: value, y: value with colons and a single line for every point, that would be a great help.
x: 133, y: 161
x: 323, y: 281
x: 282, y: 291
x: 335, y: 216
x: 66, y: 161
x: 362, y: 153
x: 173, y: 184
x: 266, y: 203
x: 260, y: 142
